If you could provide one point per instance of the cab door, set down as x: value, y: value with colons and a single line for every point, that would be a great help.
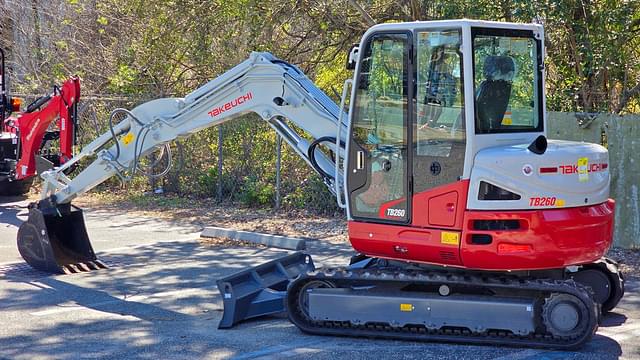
x: 377, y: 180
x: 381, y: 167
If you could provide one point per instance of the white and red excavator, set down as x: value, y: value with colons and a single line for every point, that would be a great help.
x: 37, y: 139
x: 471, y: 226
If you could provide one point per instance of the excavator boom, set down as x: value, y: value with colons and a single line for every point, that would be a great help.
x: 54, y: 237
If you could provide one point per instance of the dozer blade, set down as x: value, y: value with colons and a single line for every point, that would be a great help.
x: 260, y: 290
x: 55, y: 240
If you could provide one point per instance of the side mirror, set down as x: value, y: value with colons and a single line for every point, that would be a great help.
x: 352, y: 59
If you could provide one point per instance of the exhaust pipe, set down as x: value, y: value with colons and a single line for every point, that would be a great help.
x: 54, y: 239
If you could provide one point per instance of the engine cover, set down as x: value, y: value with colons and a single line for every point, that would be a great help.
x: 567, y: 174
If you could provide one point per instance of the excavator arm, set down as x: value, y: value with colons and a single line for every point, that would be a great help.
x: 274, y: 90
x: 54, y: 237
x: 33, y: 125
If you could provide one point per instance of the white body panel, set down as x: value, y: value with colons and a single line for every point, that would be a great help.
x: 498, y: 158
x: 503, y: 166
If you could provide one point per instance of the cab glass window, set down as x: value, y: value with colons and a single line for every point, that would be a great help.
x: 439, y: 130
x: 378, y: 152
x: 507, y: 81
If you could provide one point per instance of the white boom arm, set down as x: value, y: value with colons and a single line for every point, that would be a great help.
x: 275, y: 90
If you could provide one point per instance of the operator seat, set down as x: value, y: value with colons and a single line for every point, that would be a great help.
x: 493, y: 94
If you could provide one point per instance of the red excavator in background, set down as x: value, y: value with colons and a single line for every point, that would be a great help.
x: 37, y: 139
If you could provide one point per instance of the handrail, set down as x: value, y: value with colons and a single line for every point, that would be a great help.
x: 345, y: 88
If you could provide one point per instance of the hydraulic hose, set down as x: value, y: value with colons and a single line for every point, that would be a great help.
x: 137, y: 152
x: 311, y: 153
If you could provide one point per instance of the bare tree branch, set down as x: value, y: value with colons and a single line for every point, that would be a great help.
x: 626, y: 96
x: 365, y: 15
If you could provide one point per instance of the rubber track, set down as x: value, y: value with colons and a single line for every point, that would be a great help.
x: 537, y: 287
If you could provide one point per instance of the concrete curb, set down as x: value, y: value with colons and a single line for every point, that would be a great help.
x: 276, y: 241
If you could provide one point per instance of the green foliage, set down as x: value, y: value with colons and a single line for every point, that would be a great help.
x: 208, y: 183
x: 102, y: 20
x: 146, y: 49
x: 256, y: 192
x: 123, y: 80
x: 313, y: 195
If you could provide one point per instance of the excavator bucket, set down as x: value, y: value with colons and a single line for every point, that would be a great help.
x: 260, y: 290
x: 56, y: 241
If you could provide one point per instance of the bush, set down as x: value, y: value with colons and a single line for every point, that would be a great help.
x: 256, y: 192
x: 312, y: 195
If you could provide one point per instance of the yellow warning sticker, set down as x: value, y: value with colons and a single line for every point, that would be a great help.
x: 583, y: 169
x: 406, y: 307
x: 560, y: 202
x: 450, y: 238
x: 127, y: 139
x: 507, y: 119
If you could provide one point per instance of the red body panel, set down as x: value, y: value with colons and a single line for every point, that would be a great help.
x: 31, y: 128
x: 403, y: 243
x: 545, y: 239
x: 441, y: 206
x: 556, y: 238
x: 422, y: 241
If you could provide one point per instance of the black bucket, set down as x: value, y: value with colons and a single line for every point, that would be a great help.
x: 57, y: 241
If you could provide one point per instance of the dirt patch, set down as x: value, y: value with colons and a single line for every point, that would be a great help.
x: 206, y: 212
x: 629, y: 260
x: 298, y: 223
x: 225, y: 242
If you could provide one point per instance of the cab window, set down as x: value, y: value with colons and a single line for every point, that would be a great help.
x: 507, y: 81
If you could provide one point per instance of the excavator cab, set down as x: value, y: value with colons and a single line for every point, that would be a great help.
x: 427, y: 98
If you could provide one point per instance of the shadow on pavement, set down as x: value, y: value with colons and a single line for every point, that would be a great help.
x: 613, y: 319
x: 9, y: 211
x: 10, y: 199
x: 175, y: 307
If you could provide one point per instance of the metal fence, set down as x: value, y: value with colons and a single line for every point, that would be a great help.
x: 620, y: 134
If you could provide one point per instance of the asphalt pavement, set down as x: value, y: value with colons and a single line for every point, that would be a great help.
x: 158, y: 300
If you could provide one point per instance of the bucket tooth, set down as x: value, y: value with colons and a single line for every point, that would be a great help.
x: 54, y: 239
x: 260, y: 290
x: 84, y: 267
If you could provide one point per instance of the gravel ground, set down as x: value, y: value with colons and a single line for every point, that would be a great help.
x: 629, y: 260
x: 205, y: 212
x: 298, y: 223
